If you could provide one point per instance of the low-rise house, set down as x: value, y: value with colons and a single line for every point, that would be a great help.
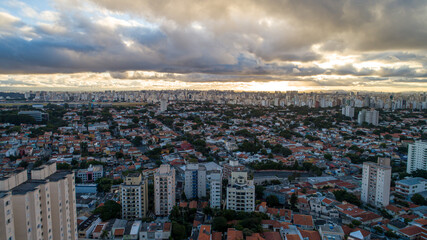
x: 155, y: 231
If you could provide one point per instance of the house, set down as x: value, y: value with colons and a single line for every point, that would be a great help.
x: 303, y: 221
x: 233, y: 234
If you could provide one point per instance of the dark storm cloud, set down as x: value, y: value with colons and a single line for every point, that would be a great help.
x: 220, y: 40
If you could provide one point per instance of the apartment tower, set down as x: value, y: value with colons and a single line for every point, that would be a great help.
x: 134, y: 197
x: 376, y: 181
x: 43, y: 207
x: 195, y: 181
x: 417, y: 156
x: 164, y: 190
x: 241, y: 193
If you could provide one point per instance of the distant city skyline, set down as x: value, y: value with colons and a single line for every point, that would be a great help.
x: 244, y: 45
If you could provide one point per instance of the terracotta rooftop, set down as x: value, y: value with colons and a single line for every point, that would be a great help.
x: 119, y: 232
x: 205, y: 232
x: 233, y: 234
x: 412, y: 231
x: 310, y: 235
x: 303, y: 220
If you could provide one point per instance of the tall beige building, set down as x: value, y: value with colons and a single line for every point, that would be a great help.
x: 376, y: 181
x: 43, y: 207
x: 164, y: 190
x: 134, y: 197
x: 241, y: 193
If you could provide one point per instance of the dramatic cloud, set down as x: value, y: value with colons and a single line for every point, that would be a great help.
x: 325, y: 43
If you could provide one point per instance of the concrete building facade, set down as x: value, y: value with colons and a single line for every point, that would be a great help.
x: 215, y: 190
x: 91, y: 174
x: 164, y: 190
x: 417, y: 156
x: 240, y: 193
x: 134, y: 197
x: 43, y: 207
x: 195, y: 181
x: 411, y: 186
x: 376, y: 179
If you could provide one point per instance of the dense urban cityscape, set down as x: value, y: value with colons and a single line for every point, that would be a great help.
x: 213, y: 165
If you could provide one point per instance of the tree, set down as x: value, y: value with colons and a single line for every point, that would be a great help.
x: 219, y: 224
x: 419, y: 173
x: 178, y: 231
x: 418, y: 199
x: 175, y: 214
x: 327, y: 156
x: 111, y: 209
x: 259, y: 191
x: 294, y: 200
x: 83, y: 149
x: 23, y: 164
x: 343, y: 195
x: 63, y: 166
x: 136, y: 141
x: 272, y: 201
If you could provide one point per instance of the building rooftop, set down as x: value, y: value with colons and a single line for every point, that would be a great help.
x: 27, y: 186
x: 58, y: 175
x: 85, y: 224
x: 411, y: 181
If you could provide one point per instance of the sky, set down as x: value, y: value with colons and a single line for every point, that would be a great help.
x: 253, y: 45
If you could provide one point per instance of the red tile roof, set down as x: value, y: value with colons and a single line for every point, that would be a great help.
x: 303, y: 220
x: 205, y: 232
x: 119, y: 232
x: 216, y: 235
x: 412, y: 231
x: 272, y: 235
x: 311, y: 235
x: 233, y: 234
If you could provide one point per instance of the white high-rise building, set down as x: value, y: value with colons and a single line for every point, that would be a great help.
x: 370, y: 117
x: 241, y: 193
x: 164, y: 190
x: 376, y: 181
x: 417, y: 156
x: 134, y: 197
x: 216, y: 189
x: 163, y: 105
x: 348, y: 111
x: 43, y: 207
x: 195, y: 181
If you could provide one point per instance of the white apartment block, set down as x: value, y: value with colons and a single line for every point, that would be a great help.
x: 134, y: 197
x: 43, y: 207
x: 410, y: 186
x: 215, y: 189
x: 348, y: 111
x: 376, y: 179
x: 164, y: 190
x: 417, y: 156
x: 195, y: 181
x: 370, y: 117
x: 163, y: 105
x: 241, y: 193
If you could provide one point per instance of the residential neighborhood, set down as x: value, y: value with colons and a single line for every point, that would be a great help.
x: 216, y: 165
